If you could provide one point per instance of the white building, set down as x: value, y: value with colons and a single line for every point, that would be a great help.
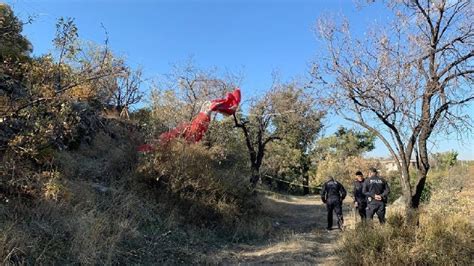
x: 391, y: 165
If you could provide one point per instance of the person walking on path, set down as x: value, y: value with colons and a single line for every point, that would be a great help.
x: 332, y: 194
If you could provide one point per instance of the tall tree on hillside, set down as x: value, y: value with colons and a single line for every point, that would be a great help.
x: 119, y: 92
x: 12, y: 42
x: 404, y: 81
x: 14, y: 58
x: 126, y: 88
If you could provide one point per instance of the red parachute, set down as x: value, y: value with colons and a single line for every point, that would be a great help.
x: 194, y: 131
x: 227, y: 106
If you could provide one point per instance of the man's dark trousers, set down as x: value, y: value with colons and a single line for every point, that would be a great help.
x: 376, y: 207
x: 362, y: 209
x: 336, y: 206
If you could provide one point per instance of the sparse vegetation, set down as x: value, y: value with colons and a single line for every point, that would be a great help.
x: 76, y: 189
x: 73, y: 188
x: 443, y: 237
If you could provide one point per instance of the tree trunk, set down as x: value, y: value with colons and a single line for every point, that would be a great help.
x: 411, y: 214
x: 305, y: 184
x: 256, y: 162
x: 423, y: 169
x: 305, y: 162
x: 405, y: 184
x: 255, y: 176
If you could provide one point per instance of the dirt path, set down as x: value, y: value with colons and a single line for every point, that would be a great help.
x: 300, y: 236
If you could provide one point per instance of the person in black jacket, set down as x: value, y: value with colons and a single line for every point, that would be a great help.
x: 376, y: 189
x: 360, y: 200
x: 332, y: 194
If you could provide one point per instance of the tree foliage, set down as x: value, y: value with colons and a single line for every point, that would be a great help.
x: 286, y: 114
x: 445, y: 160
x: 49, y: 103
x: 341, y: 154
x: 14, y: 58
x: 12, y: 43
x: 345, y: 142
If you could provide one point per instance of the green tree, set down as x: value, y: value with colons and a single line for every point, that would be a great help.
x: 340, y: 154
x: 285, y: 113
x: 12, y: 43
x: 14, y: 58
x: 445, y: 160
x: 299, y: 124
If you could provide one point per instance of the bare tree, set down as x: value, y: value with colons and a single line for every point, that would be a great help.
x: 180, y: 96
x: 404, y: 81
x: 125, y: 89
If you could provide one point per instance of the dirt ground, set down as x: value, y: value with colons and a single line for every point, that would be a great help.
x: 301, y: 236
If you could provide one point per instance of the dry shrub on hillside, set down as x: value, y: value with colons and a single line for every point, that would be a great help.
x: 90, y: 227
x: 90, y: 212
x: 109, y: 155
x: 195, y: 179
x: 28, y: 146
x: 443, y: 237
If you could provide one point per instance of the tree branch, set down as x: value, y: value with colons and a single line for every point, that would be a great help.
x: 455, y: 63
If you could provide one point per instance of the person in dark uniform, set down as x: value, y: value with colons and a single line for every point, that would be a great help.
x: 376, y: 189
x: 360, y: 200
x: 332, y: 194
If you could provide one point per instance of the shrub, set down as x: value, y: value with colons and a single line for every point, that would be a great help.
x: 437, y: 241
x: 443, y: 237
x: 30, y: 142
x: 88, y: 228
x: 109, y: 154
x: 191, y: 176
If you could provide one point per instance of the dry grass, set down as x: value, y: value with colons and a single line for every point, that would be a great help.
x: 191, y: 179
x: 443, y: 237
x: 94, y: 208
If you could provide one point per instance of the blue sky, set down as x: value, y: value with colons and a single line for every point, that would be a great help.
x: 254, y: 37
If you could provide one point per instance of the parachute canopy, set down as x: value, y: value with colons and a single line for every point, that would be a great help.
x: 227, y: 106
x: 194, y: 131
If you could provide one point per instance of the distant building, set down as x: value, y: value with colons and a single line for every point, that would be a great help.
x: 390, y: 165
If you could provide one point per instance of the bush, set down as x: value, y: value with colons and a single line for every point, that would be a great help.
x: 30, y: 142
x: 443, y: 237
x: 192, y: 178
x: 393, y: 179
x: 88, y: 228
x: 109, y: 154
x: 438, y: 240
